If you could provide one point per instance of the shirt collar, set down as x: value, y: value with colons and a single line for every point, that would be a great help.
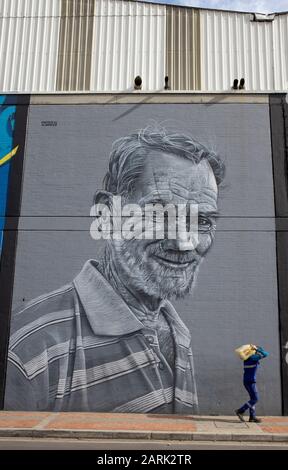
x: 106, y: 311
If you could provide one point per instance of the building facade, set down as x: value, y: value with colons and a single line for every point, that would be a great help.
x: 53, y: 162
x: 102, y: 45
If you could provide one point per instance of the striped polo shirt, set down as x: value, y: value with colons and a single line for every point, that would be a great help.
x: 81, y: 348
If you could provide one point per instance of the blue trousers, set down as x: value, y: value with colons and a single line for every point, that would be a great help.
x: 253, y: 394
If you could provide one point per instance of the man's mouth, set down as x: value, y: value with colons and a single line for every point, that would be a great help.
x: 176, y: 264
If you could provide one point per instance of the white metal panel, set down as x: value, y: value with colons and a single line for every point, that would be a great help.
x: 280, y: 50
x: 75, y: 44
x: 183, y: 48
x: 29, y: 34
x: 128, y: 40
x: 233, y: 46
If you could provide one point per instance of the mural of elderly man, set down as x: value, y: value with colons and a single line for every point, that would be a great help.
x: 111, y: 340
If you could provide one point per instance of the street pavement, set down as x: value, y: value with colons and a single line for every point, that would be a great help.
x: 12, y: 444
x: 142, y: 427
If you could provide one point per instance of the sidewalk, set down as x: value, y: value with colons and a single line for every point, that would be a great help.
x: 140, y: 426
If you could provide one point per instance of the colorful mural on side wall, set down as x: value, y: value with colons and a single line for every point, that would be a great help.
x: 13, y: 119
x: 7, y: 152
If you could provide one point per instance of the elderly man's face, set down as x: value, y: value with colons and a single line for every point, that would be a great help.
x: 167, y: 268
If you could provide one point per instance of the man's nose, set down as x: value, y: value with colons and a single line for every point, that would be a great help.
x: 183, y: 242
x: 184, y: 245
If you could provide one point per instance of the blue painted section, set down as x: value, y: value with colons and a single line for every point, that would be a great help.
x: 7, y: 126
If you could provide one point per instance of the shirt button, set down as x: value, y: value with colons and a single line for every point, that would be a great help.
x: 161, y: 366
x: 150, y: 339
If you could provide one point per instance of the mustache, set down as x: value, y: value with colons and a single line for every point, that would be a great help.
x: 175, y: 256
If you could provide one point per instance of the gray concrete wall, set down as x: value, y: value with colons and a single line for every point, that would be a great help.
x: 235, y: 300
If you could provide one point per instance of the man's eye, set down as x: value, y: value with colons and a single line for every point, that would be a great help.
x: 204, y: 224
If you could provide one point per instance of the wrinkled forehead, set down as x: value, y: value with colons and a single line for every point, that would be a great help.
x: 165, y: 172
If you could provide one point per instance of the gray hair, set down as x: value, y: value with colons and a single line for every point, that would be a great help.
x: 127, y: 158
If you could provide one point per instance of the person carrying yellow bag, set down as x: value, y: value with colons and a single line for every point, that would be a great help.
x: 251, y: 355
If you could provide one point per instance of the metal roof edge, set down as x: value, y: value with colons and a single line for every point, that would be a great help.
x: 206, y: 8
x: 146, y: 92
x: 148, y: 2
x: 149, y: 98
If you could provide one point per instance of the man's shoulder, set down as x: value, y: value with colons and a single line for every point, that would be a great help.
x: 62, y: 297
x: 44, y: 312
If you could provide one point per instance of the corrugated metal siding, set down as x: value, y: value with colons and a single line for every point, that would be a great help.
x: 101, y: 45
x: 74, y: 55
x: 129, y: 40
x: 233, y: 46
x: 29, y: 32
x: 280, y: 50
x: 183, y: 48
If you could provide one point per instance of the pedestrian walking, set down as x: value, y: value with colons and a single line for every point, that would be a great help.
x: 249, y: 380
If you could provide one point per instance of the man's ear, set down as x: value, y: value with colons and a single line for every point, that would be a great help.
x: 101, y: 210
x: 103, y: 197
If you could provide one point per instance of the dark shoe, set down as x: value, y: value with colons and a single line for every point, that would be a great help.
x: 240, y: 416
x: 254, y: 420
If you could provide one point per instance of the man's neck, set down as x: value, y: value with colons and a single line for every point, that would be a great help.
x: 137, y: 300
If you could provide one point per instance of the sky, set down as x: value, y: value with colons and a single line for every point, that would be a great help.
x: 260, y: 6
